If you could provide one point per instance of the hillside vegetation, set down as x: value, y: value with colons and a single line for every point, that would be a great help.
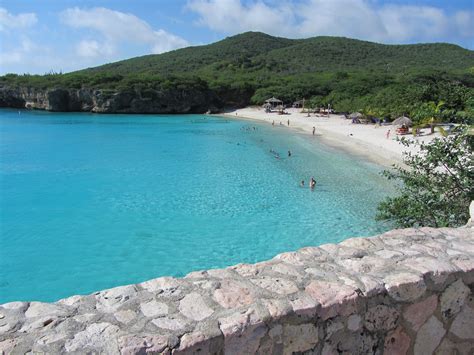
x: 351, y: 75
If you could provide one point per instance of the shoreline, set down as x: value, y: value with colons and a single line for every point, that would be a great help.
x: 364, y: 140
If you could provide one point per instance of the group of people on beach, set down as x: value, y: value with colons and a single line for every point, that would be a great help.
x: 312, y: 183
x: 281, y: 123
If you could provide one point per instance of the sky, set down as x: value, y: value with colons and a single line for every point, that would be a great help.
x: 41, y: 36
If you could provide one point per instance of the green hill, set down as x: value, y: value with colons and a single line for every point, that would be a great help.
x: 256, y: 51
x: 349, y: 74
x: 195, y: 59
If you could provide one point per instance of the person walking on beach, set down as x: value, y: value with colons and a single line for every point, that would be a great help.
x: 314, y: 130
x: 288, y: 123
x: 388, y: 134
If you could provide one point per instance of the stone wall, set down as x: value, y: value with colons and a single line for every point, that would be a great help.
x: 406, y: 291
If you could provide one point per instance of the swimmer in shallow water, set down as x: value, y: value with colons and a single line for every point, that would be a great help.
x: 302, y: 183
x: 312, y: 183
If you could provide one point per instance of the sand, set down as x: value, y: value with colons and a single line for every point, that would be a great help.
x: 367, y: 140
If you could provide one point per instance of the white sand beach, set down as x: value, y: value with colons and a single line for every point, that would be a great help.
x: 368, y: 140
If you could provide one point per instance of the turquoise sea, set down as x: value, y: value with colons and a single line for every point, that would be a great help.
x: 94, y: 201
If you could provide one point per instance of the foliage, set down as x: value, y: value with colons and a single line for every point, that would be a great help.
x: 437, y: 186
x: 351, y: 75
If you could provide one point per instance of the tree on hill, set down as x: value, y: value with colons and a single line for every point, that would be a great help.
x: 437, y: 186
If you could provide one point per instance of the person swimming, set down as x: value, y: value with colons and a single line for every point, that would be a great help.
x: 302, y: 183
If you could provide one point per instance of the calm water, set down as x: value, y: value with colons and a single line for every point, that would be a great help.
x: 95, y: 201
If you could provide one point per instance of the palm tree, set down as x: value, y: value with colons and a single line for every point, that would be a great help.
x: 432, y: 113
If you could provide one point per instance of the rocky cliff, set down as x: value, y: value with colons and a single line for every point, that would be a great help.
x: 172, y: 100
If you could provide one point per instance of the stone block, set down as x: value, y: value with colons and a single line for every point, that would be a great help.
x: 242, y: 333
x: 335, y: 299
x: 381, y: 317
x: 194, y: 307
x: 110, y: 300
x: 463, y: 324
x: 304, y: 305
x: 143, y: 344
x: 153, y: 309
x: 276, y: 285
x: 163, y: 285
x: 102, y: 337
x: 397, y: 342
x: 404, y: 286
x: 453, y: 298
x: 40, y: 309
x: 299, y: 338
x: 233, y: 294
x: 125, y: 316
x: 448, y: 347
x: 429, y: 337
x: 172, y: 324
x: 417, y: 314
x: 354, y: 322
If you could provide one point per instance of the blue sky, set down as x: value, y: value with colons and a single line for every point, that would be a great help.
x: 66, y: 35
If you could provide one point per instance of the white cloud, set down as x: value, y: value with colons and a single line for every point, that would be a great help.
x: 404, y: 22
x: 20, y: 53
x: 116, y: 28
x: 231, y: 16
x: 12, y: 57
x: 91, y: 49
x: 350, y: 18
x: 363, y: 19
x: 164, y: 41
x: 10, y: 21
x: 464, y: 22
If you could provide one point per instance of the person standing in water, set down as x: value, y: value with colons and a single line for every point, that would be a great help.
x: 288, y: 123
x: 289, y: 153
x: 314, y: 130
x: 302, y: 183
x: 312, y: 183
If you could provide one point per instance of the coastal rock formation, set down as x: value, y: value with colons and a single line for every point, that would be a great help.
x: 406, y: 291
x: 172, y: 100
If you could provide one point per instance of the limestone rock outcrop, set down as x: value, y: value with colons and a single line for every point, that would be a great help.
x: 173, y: 100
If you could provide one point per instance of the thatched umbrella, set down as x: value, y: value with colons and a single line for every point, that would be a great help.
x: 400, y: 121
x: 273, y: 101
x: 355, y: 115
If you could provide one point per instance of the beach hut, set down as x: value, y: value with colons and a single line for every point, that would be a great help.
x: 273, y: 102
x: 402, y: 121
x: 298, y: 104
